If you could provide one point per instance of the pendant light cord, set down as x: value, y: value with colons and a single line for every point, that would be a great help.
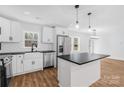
x: 77, y: 15
x: 76, y: 7
x: 89, y: 22
x: 89, y: 19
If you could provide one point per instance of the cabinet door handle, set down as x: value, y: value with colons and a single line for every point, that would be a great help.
x: 0, y: 30
x: 21, y: 62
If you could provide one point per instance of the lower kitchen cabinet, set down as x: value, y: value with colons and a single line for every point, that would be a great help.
x: 33, y: 64
x: 38, y: 64
x: 27, y: 65
x: 14, y: 67
x: 17, y: 64
x: 20, y: 65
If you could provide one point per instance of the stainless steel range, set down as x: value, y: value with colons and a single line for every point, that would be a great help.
x: 5, y: 70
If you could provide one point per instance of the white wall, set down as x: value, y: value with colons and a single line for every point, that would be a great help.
x: 112, y: 43
x: 14, y: 47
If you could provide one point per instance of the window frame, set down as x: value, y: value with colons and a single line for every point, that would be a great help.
x: 32, y: 40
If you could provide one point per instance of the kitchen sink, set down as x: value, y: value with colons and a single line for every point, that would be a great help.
x: 32, y: 55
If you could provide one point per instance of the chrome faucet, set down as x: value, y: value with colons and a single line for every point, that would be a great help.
x: 32, y: 48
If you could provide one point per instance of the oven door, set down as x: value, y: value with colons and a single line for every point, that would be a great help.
x: 2, y: 77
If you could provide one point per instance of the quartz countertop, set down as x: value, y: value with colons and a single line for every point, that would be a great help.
x: 82, y: 58
x: 14, y: 53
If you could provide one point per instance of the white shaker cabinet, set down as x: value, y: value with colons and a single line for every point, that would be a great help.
x: 4, y: 29
x: 19, y: 63
x: 38, y: 63
x: 10, y: 31
x: 14, y: 68
x: 47, y: 35
x: 27, y: 65
x: 15, y: 32
x: 33, y: 62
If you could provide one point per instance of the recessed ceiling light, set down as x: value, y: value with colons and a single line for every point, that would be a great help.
x: 26, y: 12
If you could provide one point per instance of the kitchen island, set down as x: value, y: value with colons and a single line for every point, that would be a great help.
x: 79, y: 70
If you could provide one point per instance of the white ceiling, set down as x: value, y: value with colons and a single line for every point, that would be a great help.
x: 64, y: 15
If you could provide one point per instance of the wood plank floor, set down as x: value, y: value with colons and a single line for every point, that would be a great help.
x: 46, y: 78
x: 112, y: 75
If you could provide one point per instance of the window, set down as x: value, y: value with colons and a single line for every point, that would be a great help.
x: 30, y: 37
x: 76, y: 44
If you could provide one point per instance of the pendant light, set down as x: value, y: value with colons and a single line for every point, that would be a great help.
x: 89, y: 14
x: 93, y: 31
x: 77, y: 22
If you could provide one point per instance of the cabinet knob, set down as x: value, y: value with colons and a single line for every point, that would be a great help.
x: 11, y: 38
x: 33, y: 62
x: 63, y: 32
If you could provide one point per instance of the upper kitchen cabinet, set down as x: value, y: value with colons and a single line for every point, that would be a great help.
x: 15, y: 32
x: 10, y: 31
x: 47, y: 35
x: 4, y: 30
x: 61, y: 31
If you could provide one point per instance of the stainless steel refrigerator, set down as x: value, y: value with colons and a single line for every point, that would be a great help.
x: 63, y: 45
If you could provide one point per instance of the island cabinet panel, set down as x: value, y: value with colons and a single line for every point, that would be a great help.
x: 74, y: 75
x: 86, y: 74
x: 64, y: 73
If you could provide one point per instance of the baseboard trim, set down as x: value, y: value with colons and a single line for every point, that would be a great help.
x: 115, y: 59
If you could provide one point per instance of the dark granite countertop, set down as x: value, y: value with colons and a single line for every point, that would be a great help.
x: 15, y: 53
x: 83, y: 58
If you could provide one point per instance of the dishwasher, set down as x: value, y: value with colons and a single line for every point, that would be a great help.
x: 48, y: 60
